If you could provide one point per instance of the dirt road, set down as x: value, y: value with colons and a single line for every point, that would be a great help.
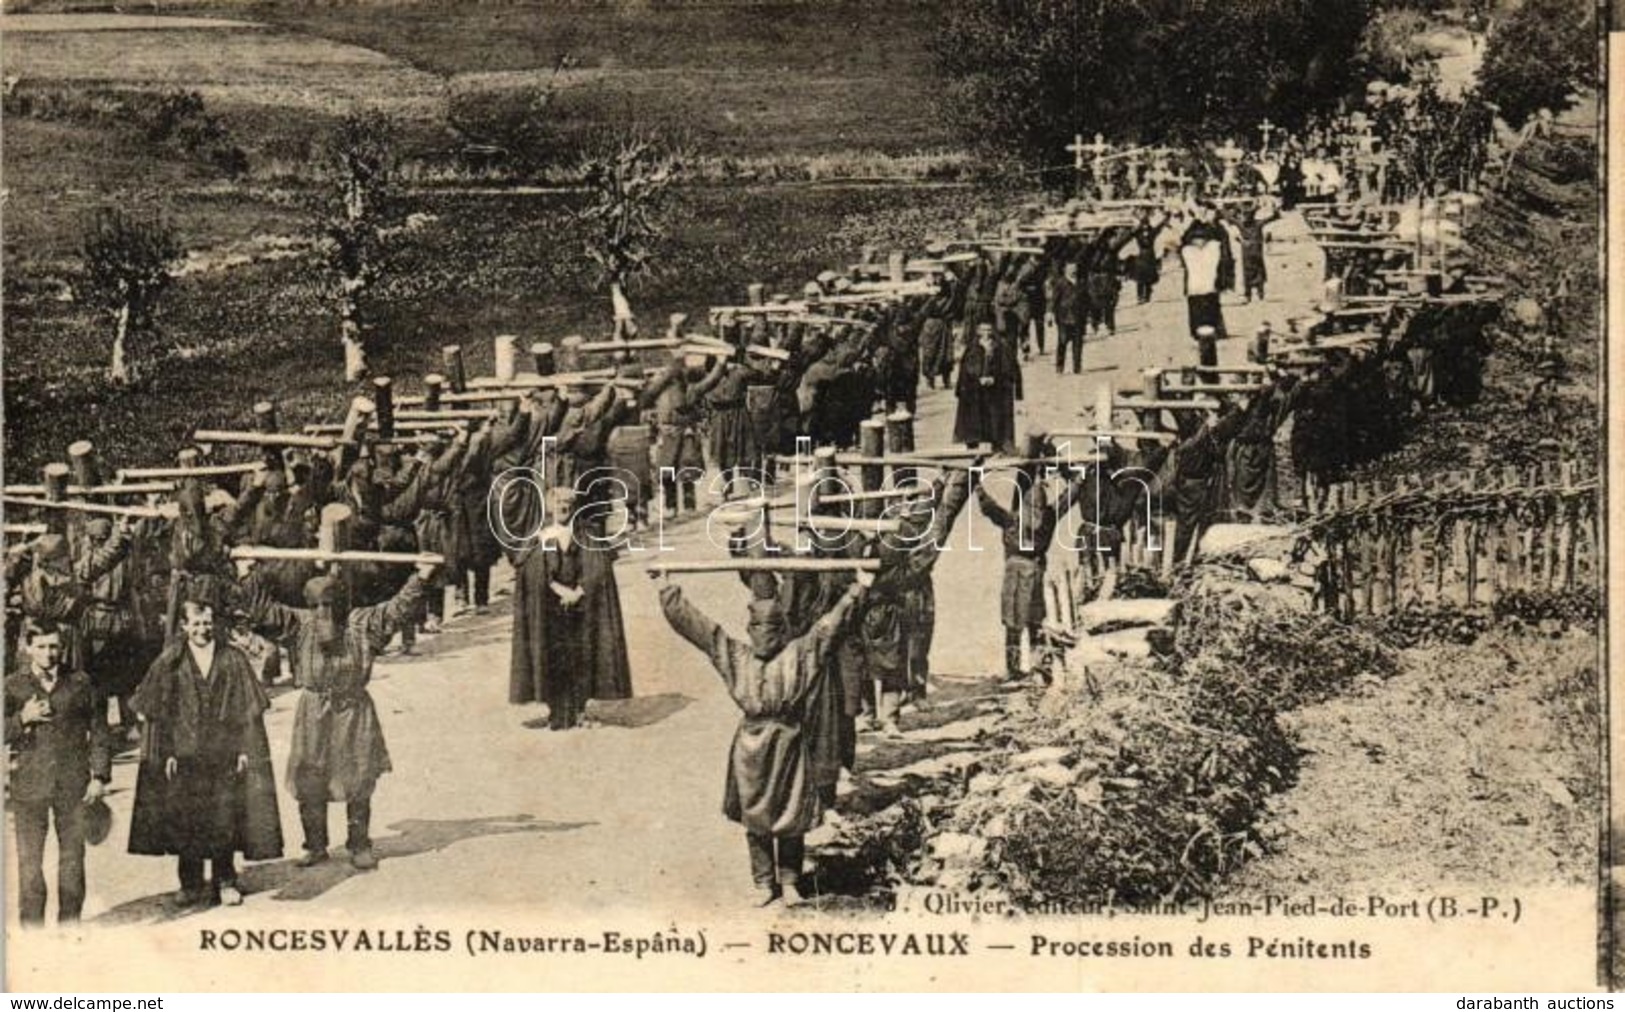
x: 485, y: 811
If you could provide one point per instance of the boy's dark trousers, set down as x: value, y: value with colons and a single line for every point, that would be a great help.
x: 1069, y: 332
x: 32, y: 819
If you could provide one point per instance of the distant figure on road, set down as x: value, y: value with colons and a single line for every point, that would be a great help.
x: 986, y: 392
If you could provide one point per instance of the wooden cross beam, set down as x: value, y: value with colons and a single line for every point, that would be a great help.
x: 26, y: 530
x: 741, y: 513
x: 1132, y: 401
x: 320, y: 429
x: 1215, y: 388
x: 637, y: 344
x: 277, y: 439
x: 530, y: 381
x: 77, y: 506
x: 266, y: 553
x: 1128, y: 435
x: 201, y: 471
x: 789, y: 564
x: 141, y: 488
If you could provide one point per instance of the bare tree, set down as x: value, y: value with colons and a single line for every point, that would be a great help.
x: 127, y: 261
x: 630, y: 190
x: 355, y: 216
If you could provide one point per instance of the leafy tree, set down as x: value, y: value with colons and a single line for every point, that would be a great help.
x: 1438, y: 143
x: 631, y: 187
x: 127, y: 262
x: 1391, y: 46
x: 1538, y: 56
x: 355, y: 213
x: 1024, y: 76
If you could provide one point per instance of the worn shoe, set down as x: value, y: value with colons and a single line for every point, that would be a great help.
x: 188, y: 897
x: 364, y: 859
x: 230, y: 895
x: 792, y: 895
x: 766, y: 896
x: 311, y: 858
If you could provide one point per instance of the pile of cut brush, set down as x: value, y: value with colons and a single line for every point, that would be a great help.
x: 1141, y: 781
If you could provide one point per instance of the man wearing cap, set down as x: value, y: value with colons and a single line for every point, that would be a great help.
x: 205, y: 790
x: 58, y: 736
x: 338, y: 751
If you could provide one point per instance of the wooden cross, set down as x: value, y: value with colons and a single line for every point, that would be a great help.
x: 1268, y: 130
x: 1077, y: 147
x: 1230, y: 155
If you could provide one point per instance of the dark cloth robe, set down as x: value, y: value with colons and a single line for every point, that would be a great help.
x: 1147, y: 266
x: 985, y: 414
x: 601, y: 627
x: 204, y: 724
x: 770, y: 787
x: 544, y: 644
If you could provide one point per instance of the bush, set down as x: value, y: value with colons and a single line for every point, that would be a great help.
x: 1026, y: 75
x: 1543, y: 52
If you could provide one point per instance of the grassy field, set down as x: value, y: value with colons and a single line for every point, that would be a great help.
x: 735, y: 80
x: 840, y: 87
x: 487, y: 265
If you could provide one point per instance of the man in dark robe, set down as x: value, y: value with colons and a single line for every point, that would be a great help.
x: 769, y: 790
x: 338, y: 751
x: 546, y: 665
x: 984, y: 388
x: 1250, y: 468
x: 205, y: 790
x: 899, y: 619
x: 1147, y: 264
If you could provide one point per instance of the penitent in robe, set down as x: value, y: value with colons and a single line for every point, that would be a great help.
x: 770, y: 787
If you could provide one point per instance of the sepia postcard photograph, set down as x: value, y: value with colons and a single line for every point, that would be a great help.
x: 857, y: 495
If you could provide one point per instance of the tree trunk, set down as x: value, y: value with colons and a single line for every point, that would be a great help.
x: 355, y: 352
x: 626, y: 326
x: 119, y: 370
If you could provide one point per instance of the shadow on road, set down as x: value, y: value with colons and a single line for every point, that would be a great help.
x: 288, y: 882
